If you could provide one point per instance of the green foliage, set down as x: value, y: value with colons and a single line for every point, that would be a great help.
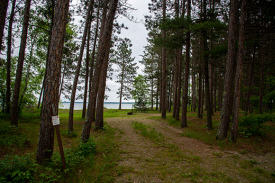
x: 10, y: 136
x: 71, y: 134
x: 127, y: 68
x: 14, y: 168
x: 17, y: 169
x: 140, y: 91
x: 254, y: 125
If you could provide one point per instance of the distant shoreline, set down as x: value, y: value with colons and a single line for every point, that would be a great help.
x: 106, y: 102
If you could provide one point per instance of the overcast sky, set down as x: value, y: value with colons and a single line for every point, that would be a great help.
x: 137, y: 33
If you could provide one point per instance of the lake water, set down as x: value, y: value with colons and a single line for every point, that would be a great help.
x: 108, y: 105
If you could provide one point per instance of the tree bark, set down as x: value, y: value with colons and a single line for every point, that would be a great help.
x: 27, y: 76
x: 121, y: 89
x: 206, y: 74
x: 261, y: 82
x: 229, y: 75
x: 95, y: 82
x: 87, y: 73
x: 87, y: 25
x: 50, y: 37
x: 103, y: 74
x: 93, y: 53
x: 177, y: 115
x: 105, y: 36
x: 3, y: 12
x: 163, y: 62
x: 186, y: 72
x: 17, y: 84
x: 8, y: 92
x: 235, y: 113
x: 51, y: 95
x: 250, y: 81
x: 175, y: 89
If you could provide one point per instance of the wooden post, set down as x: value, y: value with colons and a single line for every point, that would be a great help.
x: 56, y: 123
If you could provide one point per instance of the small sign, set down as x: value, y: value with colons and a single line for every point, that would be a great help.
x: 56, y: 120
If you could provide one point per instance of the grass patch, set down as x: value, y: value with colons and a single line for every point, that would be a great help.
x: 148, y: 132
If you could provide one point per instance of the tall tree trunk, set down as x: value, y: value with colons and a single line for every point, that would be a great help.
x: 157, y: 97
x: 50, y: 97
x: 186, y: 72
x: 215, y: 90
x: 17, y: 84
x: 50, y: 37
x: 40, y: 95
x: 87, y: 26
x: 8, y: 93
x: 103, y: 74
x: 25, y: 88
x: 105, y: 33
x: 163, y: 63
x: 152, y: 93
x: 93, y: 52
x: 200, y: 95
x: 193, y: 92
x: 261, y: 82
x: 250, y: 87
x: 177, y: 115
x: 176, y: 69
x: 62, y: 81
x: 206, y: 75
x: 235, y: 113
x: 3, y: 12
x: 229, y: 75
x: 27, y: 76
x: 121, y: 89
x: 87, y: 73
x: 175, y: 89
x: 96, y: 75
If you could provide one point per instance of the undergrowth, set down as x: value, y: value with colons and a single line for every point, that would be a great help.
x: 14, y: 168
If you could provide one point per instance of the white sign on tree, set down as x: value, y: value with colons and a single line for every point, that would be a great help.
x: 55, y: 120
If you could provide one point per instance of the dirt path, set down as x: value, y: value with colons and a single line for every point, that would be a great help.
x: 181, y: 159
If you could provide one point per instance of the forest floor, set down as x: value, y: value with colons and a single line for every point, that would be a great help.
x: 151, y: 150
x: 145, y: 148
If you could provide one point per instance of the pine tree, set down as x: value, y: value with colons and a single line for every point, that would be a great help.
x: 127, y: 69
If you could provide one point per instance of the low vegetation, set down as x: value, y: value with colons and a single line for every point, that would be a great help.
x: 98, y: 160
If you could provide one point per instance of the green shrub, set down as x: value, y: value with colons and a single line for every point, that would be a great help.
x: 11, y: 137
x: 254, y: 125
x: 24, y: 169
x: 17, y: 169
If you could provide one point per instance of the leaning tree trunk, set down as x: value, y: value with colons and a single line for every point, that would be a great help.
x: 8, y: 92
x: 87, y: 73
x: 17, y: 84
x: 105, y: 33
x: 93, y: 53
x: 95, y: 81
x: 163, y: 62
x: 102, y: 82
x: 87, y: 23
x: 3, y: 12
x: 49, y: 42
x: 229, y: 75
x: 51, y: 95
x: 235, y: 115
